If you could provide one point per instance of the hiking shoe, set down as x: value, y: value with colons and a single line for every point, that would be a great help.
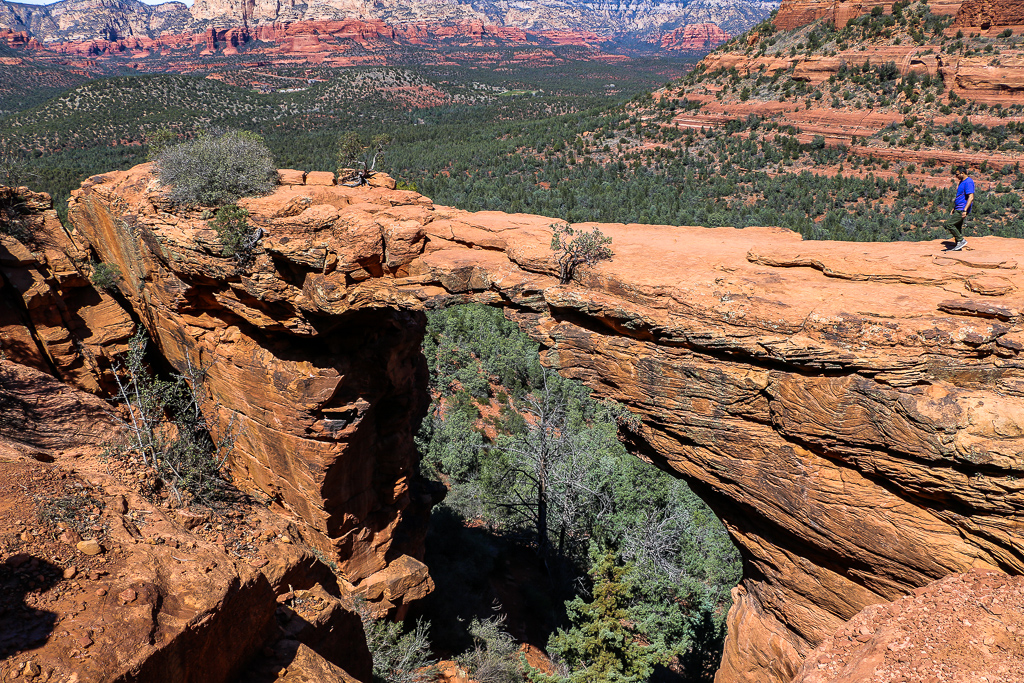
x: 959, y: 245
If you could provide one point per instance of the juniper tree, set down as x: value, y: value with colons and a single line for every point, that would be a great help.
x: 602, y: 644
x: 583, y: 250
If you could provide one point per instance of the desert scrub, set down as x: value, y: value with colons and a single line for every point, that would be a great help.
x: 164, y: 427
x: 76, y: 511
x: 217, y: 168
x: 238, y: 237
x: 399, y: 656
x: 105, y: 276
x: 494, y: 657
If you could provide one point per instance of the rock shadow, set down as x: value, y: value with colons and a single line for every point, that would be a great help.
x: 22, y: 626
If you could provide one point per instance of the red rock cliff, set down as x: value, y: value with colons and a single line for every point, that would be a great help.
x: 796, y: 13
x: 694, y: 38
x: 141, y: 592
x: 852, y: 411
x: 320, y: 396
x: 987, y: 13
x: 51, y: 317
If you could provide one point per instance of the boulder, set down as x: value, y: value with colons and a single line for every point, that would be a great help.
x: 320, y: 178
x: 288, y: 176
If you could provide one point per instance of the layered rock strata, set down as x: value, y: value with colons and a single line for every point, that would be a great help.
x: 976, y: 78
x: 796, y: 13
x: 694, y: 38
x: 854, y: 413
x: 51, y: 317
x: 101, y: 584
x: 319, y: 402
x: 985, y: 14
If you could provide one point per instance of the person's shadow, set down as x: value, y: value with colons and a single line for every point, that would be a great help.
x: 23, y: 627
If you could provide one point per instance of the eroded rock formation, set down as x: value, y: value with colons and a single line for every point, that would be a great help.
x: 985, y: 14
x: 320, y: 407
x: 51, y: 317
x: 101, y: 584
x: 796, y: 13
x: 853, y: 412
x: 694, y: 38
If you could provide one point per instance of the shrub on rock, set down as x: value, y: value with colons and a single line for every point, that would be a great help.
x: 217, y: 168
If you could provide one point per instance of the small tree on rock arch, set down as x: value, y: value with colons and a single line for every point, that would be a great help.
x: 358, y: 161
x: 576, y: 249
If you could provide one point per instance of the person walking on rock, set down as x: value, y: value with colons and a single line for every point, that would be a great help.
x: 961, y: 208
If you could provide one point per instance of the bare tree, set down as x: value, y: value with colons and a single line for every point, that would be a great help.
x: 165, y: 424
x: 548, y: 469
x: 357, y: 161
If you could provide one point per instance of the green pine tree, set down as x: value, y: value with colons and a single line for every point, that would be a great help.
x: 603, y: 644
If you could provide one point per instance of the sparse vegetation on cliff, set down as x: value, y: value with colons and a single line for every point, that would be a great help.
x: 217, y: 168
x: 238, y: 237
x: 399, y: 655
x: 105, y: 275
x: 576, y: 249
x: 358, y: 161
x: 165, y: 427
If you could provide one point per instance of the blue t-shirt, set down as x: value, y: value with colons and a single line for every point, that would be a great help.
x: 962, y: 190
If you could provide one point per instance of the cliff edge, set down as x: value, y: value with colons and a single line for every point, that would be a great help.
x: 852, y: 411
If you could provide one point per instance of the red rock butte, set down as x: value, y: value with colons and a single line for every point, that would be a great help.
x: 982, y: 14
x: 853, y: 412
x: 796, y: 13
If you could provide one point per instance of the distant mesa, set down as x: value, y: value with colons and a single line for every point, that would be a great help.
x: 130, y: 27
x: 694, y: 38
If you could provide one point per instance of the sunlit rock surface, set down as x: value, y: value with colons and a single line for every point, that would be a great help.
x: 853, y: 412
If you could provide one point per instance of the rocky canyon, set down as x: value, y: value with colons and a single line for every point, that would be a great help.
x: 851, y: 411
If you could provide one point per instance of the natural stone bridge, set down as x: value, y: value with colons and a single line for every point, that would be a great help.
x: 852, y: 412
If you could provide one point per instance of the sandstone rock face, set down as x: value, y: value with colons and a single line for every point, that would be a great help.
x: 853, y: 412
x: 982, y: 79
x: 964, y: 628
x: 318, y: 392
x: 51, y: 316
x: 796, y: 13
x: 149, y: 600
x: 695, y: 37
x: 988, y: 13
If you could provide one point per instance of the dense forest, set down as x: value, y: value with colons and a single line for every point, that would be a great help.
x: 574, y: 153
